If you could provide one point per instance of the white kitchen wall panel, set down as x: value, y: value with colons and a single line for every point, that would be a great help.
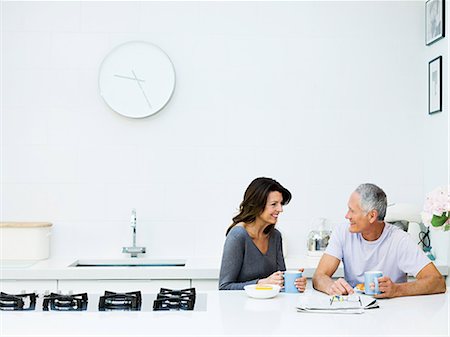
x: 66, y: 46
x: 317, y: 95
x: 119, y: 17
x: 33, y: 50
x: 60, y: 17
x: 27, y: 127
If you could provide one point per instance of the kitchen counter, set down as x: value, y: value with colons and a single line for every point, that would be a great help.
x: 232, y: 313
x: 60, y: 269
x: 196, y: 268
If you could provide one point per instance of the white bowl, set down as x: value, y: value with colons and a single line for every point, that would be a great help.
x: 261, y: 292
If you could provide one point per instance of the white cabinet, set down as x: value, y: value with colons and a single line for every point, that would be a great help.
x: 28, y: 286
x: 204, y: 284
x: 99, y: 286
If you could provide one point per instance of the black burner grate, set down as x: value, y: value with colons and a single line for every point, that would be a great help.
x: 169, y: 299
x: 120, y: 301
x: 17, y: 302
x: 59, y: 302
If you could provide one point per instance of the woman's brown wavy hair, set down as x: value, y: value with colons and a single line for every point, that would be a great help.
x: 255, y: 199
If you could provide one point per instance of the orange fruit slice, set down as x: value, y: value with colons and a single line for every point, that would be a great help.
x: 263, y: 287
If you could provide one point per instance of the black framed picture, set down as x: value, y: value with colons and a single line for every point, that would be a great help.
x: 435, y: 85
x: 434, y: 21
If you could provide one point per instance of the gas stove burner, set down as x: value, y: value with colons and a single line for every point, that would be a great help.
x: 173, y: 304
x: 185, y: 294
x: 17, y: 302
x: 182, y: 292
x: 58, y: 302
x: 169, y: 299
x: 120, y: 301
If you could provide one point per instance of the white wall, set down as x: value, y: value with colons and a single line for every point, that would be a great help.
x: 436, y: 140
x: 321, y: 96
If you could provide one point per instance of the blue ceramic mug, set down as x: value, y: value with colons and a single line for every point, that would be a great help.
x: 371, y: 286
x: 289, y: 280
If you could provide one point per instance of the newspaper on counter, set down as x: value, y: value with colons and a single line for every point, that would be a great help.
x: 338, y: 304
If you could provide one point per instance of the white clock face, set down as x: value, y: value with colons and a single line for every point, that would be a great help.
x: 136, y: 79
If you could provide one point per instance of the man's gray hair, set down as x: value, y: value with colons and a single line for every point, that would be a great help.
x: 372, y: 198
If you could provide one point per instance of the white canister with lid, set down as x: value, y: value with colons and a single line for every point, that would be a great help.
x: 25, y: 240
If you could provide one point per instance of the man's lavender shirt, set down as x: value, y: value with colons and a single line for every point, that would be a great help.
x: 394, y: 253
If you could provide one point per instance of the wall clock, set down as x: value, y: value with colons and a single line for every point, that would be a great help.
x: 136, y: 79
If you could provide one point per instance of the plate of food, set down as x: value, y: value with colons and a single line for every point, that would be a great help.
x: 262, y: 290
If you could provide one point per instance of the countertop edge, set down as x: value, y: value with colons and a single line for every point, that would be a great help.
x: 196, y: 268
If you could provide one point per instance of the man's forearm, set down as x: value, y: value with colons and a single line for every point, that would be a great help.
x: 322, y: 282
x: 424, y: 286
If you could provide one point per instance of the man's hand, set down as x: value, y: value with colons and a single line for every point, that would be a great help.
x: 340, y: 287
x: 387, y: 287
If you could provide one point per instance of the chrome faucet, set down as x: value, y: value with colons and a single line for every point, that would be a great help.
x: 133, y: 250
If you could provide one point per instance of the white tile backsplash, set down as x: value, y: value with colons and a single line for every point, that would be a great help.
x: 78, y: 50
x: 26, y: 88
x: 81, y: 202
x: 28, y: 202
x: 32, y: 50
x: 40, y: 16
x: 117, y: 16
x: 24, y: 126
x: 107, y: 164
x: 150, y: 201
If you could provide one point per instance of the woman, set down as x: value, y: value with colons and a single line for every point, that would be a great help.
x: 253, y: 250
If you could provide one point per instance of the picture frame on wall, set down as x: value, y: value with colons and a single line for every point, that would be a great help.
x: 434, y: 21
x: 435, y: 85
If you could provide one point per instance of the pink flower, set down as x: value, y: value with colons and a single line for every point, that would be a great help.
x: 436, y: 209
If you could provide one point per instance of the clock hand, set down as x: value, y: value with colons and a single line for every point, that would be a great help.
x: 142, y: 89
x: 129, y: 78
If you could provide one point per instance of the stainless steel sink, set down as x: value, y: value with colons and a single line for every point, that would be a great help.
x: 131, y: 262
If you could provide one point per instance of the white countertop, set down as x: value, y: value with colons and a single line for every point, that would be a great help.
x: 233, y: 313
x: 195, y: 268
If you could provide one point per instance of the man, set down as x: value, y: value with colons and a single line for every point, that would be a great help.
x: 369, y: 243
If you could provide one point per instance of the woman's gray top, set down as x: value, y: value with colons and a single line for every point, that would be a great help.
x: 243, y: 263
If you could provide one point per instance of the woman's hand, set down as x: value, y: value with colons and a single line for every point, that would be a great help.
x: 275, y: 278
x: 300, y: 283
